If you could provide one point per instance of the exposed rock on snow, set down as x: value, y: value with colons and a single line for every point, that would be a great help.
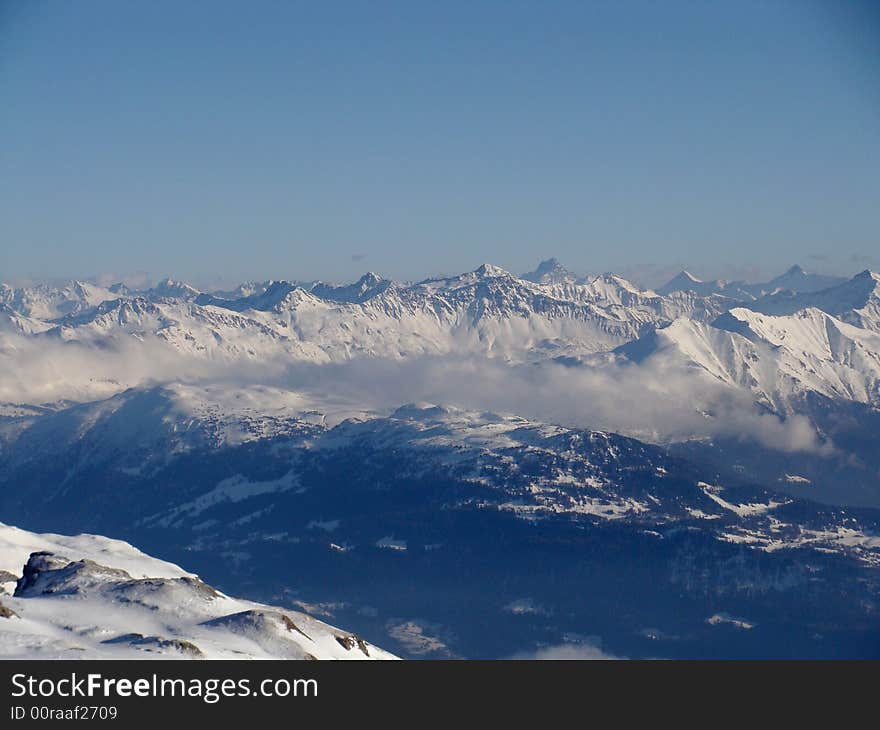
x: 114, y: 601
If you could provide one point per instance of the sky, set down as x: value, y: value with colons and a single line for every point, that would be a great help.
x: 222, y: 141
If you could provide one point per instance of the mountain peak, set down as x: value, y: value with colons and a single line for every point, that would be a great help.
x: 548, y: 265
x: 798, y: 280
x: 549, y: 271
x: 684, y: 280
x: 369, y: 285
x: 683, y: 277
x: 490, y: 271
x: 168, y: 287
x: 371, y: 278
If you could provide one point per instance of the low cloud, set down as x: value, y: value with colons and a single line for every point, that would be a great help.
x: 653, y: 401
x: 579, y: 651
x: 42, y: 369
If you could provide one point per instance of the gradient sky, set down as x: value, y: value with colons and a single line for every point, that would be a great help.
x: 221, y: 140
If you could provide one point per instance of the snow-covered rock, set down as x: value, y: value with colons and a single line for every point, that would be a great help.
x: 778, y: 359
x: 92, y: 597
x: 856, y: 301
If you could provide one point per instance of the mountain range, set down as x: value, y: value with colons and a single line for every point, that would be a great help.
x: 479, y: 465
x: 487, y: 312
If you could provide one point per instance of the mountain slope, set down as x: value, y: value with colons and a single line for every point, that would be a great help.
x: 794, y: 280
x: 91, y: 597
x: 856, y: 301
x: 797, y: 280
x: 486, y: 312
x: 550, y: 271
x: 429, y: 528
x: 686, y: 281
x: 778, y: 359
x: 47, y: 302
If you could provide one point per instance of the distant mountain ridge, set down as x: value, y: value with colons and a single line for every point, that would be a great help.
x: 550, y: 315
x: 794, y: 279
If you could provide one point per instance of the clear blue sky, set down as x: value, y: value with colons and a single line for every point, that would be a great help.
x: 322, y: 139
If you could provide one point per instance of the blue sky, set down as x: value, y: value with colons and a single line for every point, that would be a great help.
x: 224, y: 141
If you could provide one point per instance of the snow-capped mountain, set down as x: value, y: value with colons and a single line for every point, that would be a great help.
x: 856, y: 301
x: 795, y: 280
x: 368, y: 286
x: 170, y: 289
x: 245, y: 289
x: 47, y: 302
x: 172, y: 332
x: 778, y: 359
x: 13, y: 322
x: 487, y: 311
x: 132, y: 338
x: 90, y: 597
x: 686, y: 281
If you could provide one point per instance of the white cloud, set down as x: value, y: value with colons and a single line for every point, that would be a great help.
x: 651, y: 401
x: 43, y: 370
x: 580, y: 651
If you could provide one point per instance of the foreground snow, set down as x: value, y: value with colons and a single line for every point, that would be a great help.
x: 92, y: 597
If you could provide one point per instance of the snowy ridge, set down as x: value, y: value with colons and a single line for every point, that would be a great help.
x: 793, y: 280
x: 778, y: 359
x: 768, y: 341
x: 486, y: 311
x: 686, y: 281
x: 856, y: 301
x: 532, y: 470
x: 92, y: 597
x: 47, y: 302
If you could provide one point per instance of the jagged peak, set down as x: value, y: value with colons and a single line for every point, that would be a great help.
x: 549, y: 264
x: 866, y: 275
x: 491, y: 271
x: 684, y: 280
x: 371, y: 276
x: 685, y: 275
x: 369, y: 285
x: 549, y: 271
x: 173, y: 288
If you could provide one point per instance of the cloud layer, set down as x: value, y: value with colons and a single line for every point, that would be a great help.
x: 652, y: 401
